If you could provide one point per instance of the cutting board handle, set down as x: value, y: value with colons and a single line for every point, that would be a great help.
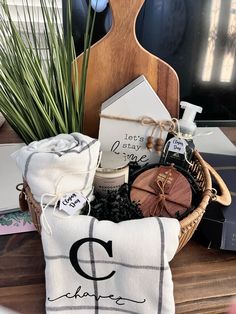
x: 118, y: 59
x: 125, y: 10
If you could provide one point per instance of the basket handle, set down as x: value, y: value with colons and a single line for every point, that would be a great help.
x: 224, y: 198
x: 22, y: 197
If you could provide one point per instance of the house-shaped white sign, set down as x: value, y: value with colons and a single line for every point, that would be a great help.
x: 135, y: 101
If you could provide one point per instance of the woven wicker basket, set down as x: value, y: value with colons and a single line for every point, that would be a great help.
x: 200, y: 170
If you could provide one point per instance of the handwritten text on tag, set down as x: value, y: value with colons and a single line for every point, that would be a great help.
x: 72, y: 203
x: 177, y: 145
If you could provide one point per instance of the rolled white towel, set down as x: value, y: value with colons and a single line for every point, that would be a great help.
x: 58, y: 165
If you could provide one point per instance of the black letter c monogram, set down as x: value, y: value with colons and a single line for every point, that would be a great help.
x: 74, y: 260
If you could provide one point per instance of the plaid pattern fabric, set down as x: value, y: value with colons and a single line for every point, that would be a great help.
x: 58, y: 165
x: 100, y: 267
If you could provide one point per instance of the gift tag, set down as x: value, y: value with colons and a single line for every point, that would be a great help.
x: 177, y: 145
x: 71, y: 203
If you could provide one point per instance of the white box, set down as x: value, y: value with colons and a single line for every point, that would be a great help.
x: 128, y: 138
x: 10, y: 176
x: 213, y: 140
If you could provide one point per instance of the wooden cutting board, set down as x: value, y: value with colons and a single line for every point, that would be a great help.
x: 117, y: 59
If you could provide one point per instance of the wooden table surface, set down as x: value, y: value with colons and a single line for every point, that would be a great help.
x: 204, y: 280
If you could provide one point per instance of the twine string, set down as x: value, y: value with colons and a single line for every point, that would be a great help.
x: 159, y: 192
x: 161, y: 196
x: 55, y: 198
x: 163, y: 125
x: 45, y: 223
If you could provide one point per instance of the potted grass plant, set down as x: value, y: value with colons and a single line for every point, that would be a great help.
x: 41, y: 95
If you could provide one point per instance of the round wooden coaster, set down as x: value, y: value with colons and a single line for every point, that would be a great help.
x: 162, y: 191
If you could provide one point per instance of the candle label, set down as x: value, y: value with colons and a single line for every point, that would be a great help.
x: 72, y: 203
x: 104, y: 185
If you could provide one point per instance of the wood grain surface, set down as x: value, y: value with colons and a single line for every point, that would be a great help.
x: 204, y: 280
x: 22, y: 285
x: 230, y: 132
x: 8, y: 135
x: 117, y: 59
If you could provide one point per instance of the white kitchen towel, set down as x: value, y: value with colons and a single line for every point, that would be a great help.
x: 59, y: 165
x: 99, y: 267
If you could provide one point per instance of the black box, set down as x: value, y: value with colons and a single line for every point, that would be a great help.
x: 218, y: 225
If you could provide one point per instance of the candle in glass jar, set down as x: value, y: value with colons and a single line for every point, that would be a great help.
x: 111, y: 174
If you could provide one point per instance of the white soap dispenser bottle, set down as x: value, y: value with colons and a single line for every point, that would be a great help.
x: 187, y: 126
x: 179, y: 148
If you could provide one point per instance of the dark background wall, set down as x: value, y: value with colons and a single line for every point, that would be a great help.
x: 177, y: 31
